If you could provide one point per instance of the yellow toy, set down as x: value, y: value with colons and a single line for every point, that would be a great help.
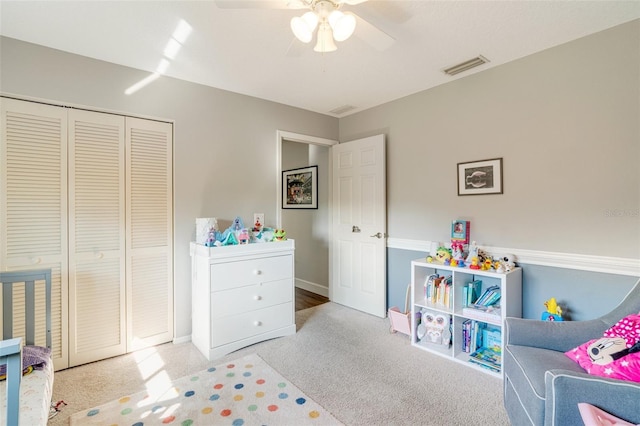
x: 487, y: 265
x: 552, y: 307
x: 443, y: 255
x: 554, y: 311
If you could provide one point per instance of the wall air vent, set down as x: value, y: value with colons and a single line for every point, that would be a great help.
x: 342, y: 109
x: 466, y: 65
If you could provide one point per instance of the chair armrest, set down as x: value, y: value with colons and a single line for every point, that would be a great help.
x: 555, y: 335
x: 565, y: 389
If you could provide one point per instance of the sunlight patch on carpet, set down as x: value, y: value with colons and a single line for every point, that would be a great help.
x: 246, y: 391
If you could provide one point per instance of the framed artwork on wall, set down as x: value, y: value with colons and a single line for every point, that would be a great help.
x: 480, y: 177
x: 300, y: 188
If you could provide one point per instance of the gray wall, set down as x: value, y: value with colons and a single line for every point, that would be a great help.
x: 224, y: 146
x: 565, y: 121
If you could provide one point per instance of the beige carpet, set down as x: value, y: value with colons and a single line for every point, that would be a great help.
x: 345, y: 360
x: 245, y: 391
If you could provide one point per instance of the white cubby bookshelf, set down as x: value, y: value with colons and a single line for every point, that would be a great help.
x: 510, y: 284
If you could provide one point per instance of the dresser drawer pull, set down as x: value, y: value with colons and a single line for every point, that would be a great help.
x: 257, y: 272
x: 257, y: 297
x: 257, y: 323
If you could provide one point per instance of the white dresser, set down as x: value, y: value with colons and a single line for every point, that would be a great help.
x: 241, y: 295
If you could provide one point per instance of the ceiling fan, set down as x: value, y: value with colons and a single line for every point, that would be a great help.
x: 325, y: 15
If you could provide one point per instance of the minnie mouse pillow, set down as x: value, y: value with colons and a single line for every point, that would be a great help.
x: 616, y: 355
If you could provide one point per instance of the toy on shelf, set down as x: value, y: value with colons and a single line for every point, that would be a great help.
x: 472, y: 252
x: 213, y: 240
x: 443, y: 255
x: 505, y: 264
x: 487, y: 265
x: 457, y: 249
x: 230, y: 239
x: 258, y: 222
x: 206, y: 228
x: 279, y: 235
x: 237, y: 224
x: 554, y: 311
x: 243, y: 236
x: 474, y: 263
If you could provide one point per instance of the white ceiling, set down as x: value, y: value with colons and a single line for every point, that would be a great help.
x: 247, y: 50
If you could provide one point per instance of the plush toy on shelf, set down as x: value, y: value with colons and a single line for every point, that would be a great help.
x: 443, y: 255
x: 279, y: 235
x: 243, y: 236
x: 457, y: 251
x: 554, y: 311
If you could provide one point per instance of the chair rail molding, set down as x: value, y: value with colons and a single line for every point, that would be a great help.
x: 583, y: 262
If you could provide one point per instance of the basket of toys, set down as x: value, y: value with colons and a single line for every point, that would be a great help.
x: 401, y: 321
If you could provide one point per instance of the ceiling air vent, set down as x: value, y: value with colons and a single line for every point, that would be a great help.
x: 466, y: 65
x: 342, y: 109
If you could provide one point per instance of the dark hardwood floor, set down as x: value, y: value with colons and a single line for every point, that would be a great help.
x: 306, y: 299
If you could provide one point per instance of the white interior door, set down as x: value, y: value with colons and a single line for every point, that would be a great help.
x: 359, y: 222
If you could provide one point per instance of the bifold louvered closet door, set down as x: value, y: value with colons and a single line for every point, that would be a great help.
x: 33, y: 209
x: 113, y: 203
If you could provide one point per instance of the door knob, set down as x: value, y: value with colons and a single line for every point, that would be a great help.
x: 378, y: 235
x: 355, y: 229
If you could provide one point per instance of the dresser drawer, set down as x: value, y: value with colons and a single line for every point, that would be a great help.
x: 249, y: 324
x: 250, y: 298
x: 251, y: 271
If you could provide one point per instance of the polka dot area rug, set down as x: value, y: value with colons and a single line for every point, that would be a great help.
x: 246, y: 391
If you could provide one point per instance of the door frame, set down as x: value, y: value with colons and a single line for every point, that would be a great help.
x: 281, y: 136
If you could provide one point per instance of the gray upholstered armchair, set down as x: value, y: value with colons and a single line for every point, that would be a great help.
x: 542, y: 386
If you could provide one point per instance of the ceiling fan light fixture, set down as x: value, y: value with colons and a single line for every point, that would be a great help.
x: 342, y: 24
x: 325, y: 41
x: 303, y: 26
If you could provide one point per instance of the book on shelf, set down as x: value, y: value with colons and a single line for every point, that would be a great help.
x: 495, y: 369
x: 473, y: 291
x: 490, y: 296
x: 472, y: 335
x: 460, y: 230
x: 487, y: 357
x: 490, y: 313
x: 437, y: 290
x: 492, y: 338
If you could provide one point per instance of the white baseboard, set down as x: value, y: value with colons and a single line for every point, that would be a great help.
x: 583, y: 262
x: 312, y: 287
x: 183, y: 339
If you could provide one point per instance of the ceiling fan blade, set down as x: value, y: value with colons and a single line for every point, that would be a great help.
x: 261, y: 4
x: 295, y: 49
x: 353, y: 2
x: 372, y: 34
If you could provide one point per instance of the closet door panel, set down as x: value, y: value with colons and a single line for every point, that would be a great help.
x: 149, y: 233
x: 96, y: 236
x: 33, y: 207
